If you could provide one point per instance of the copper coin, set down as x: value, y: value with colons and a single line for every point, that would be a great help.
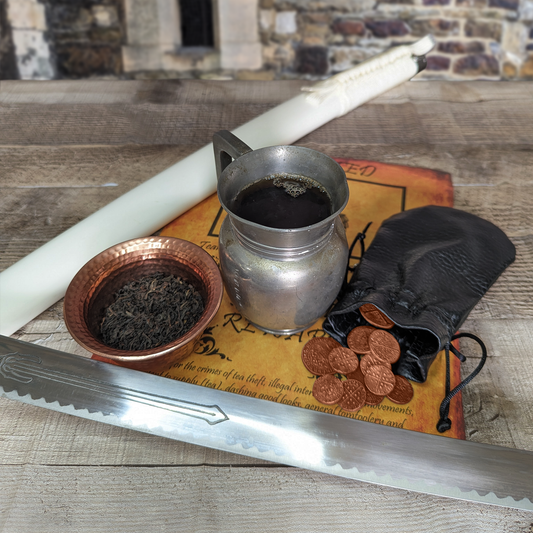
x: 354, y: 395
x: 384, y: 346
x: 328, y: 389
x: 375, y: 317
x: 402, y: 392
x: 373, y: 399
x: 357, y: 374
x: 343, y: 360
x: 370, y: 360
x: 315, y: 355
x: 357, y: 339
x: 380, y: 380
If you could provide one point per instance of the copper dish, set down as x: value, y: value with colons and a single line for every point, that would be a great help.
x: 94, y: 286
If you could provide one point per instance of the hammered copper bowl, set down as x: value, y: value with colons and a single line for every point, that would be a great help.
x: 94, y: 286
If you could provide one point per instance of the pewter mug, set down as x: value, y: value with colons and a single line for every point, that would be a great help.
x: 281, y: 280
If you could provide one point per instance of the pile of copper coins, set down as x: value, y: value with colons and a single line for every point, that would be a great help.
x: 366, y: 364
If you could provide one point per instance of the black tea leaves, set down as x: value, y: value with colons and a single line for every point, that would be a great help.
x: 151, y: 312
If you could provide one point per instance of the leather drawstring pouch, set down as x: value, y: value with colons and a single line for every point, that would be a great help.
x: 425, y: 269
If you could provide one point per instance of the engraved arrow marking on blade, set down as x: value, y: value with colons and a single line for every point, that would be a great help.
x: 25, y: 367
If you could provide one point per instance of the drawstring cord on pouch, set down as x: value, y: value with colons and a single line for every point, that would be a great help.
x: 444, y: 424
x: 360, y: 237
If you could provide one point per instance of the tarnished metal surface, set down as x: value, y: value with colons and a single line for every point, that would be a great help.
x: 281, y: 280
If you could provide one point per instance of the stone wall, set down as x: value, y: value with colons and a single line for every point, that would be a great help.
x: 61, y: 38
x: 476, y: 39
x: 489, y: 39
x: 8, y: 65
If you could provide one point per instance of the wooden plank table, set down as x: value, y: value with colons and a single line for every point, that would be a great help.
x: 68, y: 148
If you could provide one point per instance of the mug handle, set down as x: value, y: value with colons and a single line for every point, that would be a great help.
x: 227, y: 147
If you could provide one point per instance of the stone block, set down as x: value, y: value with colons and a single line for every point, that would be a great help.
x: 312, y: 60
x: 505, y: 4
x: 438, y: 27
x: 477, y: 4
x: 286, y: 22
x: 238, y: 22
x: 459, y: 47
x: 340, y: 58
x: 142, y: 20
x: 317, y: 18
x: 344, y: 57
x: 336, y: 39
x: 278, y: 56
x: 152, y: 24
x: 194, y: 60
x: 438, y: 62
x: 32, y: 54
x: 269, y: 55
x: 105, y: 16
x: 527, y: 68
x: 313, y: 40
x: 387, y: 28
x: 267, y: 18
x: 514, y: 37
x: 241, y: 55
x: 526, y: 11
x: 283, y: 38
x: 285, y: 55
x: 509, y: 70
x: 169, y: 25
x: 349, y: 27
x: 80, y: 60
x: 315, y: 30
x: 139, y: 58
x: 481, y: 29
x: 478, y: 65
x: 26, y: 14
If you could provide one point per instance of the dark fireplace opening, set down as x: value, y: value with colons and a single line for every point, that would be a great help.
x: 196, y: 22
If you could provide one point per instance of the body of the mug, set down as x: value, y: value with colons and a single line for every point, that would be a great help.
x: 281, y: 279
x: 283, y: 290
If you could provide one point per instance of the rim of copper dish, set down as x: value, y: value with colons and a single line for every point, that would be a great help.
x: 90, y: 277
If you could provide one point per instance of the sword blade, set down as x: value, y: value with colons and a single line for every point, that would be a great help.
x: 265, y: 430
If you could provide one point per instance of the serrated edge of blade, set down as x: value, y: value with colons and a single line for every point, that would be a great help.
x: 353, y: 472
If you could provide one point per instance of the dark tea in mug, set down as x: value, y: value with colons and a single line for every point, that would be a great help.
x: 283, y: 201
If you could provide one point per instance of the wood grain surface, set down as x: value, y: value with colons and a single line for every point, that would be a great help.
x: 68, y: 148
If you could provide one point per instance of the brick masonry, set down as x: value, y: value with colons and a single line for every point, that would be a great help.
x: 476, y: 39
